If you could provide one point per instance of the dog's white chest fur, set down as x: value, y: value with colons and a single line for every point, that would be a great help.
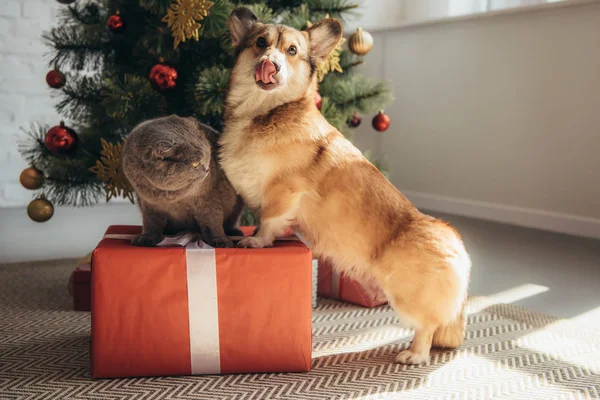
x: 246, y: 168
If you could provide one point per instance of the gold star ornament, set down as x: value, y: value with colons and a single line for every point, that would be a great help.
x: 108, y: 170
x: 183, y: 16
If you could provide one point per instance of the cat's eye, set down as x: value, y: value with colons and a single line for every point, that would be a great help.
x: 261, y: 42
x: 292, y: 50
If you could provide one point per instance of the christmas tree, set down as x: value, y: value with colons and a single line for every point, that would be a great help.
x: 117, y: 63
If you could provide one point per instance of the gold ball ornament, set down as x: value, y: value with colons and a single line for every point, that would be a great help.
x: 40, y: 210
x: 31, y: 178
x: 360, y: 42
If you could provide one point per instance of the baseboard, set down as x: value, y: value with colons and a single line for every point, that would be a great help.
x: 526, y: 217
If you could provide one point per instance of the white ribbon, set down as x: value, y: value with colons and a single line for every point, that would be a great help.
x: 203, y: 308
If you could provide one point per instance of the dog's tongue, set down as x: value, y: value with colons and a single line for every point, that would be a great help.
x: 265, y: 72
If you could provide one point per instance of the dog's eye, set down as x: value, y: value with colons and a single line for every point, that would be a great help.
x: 292, y: 50
x: 261, y: 42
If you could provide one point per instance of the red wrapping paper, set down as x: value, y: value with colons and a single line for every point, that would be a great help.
x: 338, y: 286
x: 80, y: 285
x: 141, y: 315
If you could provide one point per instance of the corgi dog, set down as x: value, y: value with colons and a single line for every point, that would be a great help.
x: 295, y: 170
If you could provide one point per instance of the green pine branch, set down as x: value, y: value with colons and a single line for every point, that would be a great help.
x: 297, y: 18
x: 263, y: 12
x: 131, y: 100
x: 349, y: 60
x: 332, y: 114
x: 69, y: 182
x: 80, y: 95
x: 216, y: 22
x: 356, y: 93
x: 158, y: 7
x: 76, y: 46
x: 340, y: 9
x: 87, y: 14
x: 32, y: 147
x: 68, y: 179
x: 210, y: 91
x: 249, y: 219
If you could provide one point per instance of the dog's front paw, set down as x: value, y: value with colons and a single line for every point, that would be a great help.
x: 409, y: 357
x: 254, y: 242
x: 221, y: 242
x: 147, y: 240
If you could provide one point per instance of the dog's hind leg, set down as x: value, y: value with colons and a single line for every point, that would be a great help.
x: 419, y: 349
x: 428, y: 295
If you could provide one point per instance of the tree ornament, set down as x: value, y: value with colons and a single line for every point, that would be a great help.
x: 183, y: 16
x: 66, y: 1
x: 55, y: 79
x: 60, y: 140
x: 360, y: 42
x: 108, y: 170
x: 32, y: 178
x: 115, y: 23
x: 318, y: 101
x: 381, y: 122
x: 163, y: 76
x: 332, y: 62
x: 40, y: 210
x: 354, y: 121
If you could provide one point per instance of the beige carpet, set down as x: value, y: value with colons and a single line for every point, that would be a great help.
x: 510, y: 353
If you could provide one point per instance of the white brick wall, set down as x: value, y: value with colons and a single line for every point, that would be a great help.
x: 24, y: 95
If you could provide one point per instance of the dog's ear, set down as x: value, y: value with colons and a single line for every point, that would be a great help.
x: 324, y: 37
x: 240, y: 22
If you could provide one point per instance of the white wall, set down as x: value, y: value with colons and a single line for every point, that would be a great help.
x: 24, y: 94
x: 499, y: 117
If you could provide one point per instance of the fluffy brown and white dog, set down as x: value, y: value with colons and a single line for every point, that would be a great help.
x: 296, y: 170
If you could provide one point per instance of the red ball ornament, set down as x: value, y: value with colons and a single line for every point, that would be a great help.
x: 318, y: 101
x: 115, y: 23
x: 355, y: 121
x: 55, y: 79
x: 381, y: 122
x: 163, y: 76
x: 60, y: 140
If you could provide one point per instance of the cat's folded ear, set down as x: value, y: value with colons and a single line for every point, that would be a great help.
x: 162, y: 150
x: 240, y: 22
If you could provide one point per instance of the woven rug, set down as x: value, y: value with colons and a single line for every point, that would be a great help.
x: 509, y: 353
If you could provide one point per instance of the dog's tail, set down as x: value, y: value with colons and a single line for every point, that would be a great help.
x: 452, y: 335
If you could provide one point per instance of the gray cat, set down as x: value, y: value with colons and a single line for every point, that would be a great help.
x: 171, y: 164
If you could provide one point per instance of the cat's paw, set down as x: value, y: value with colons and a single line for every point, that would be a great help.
x: 254, y: 242
x: 147, y: 240
x: 234, y: 232
x: 221, y: 242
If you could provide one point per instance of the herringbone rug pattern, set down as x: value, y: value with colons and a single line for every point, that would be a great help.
x: 509, y: 353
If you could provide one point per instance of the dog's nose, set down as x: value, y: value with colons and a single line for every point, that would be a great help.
x: 277, y: 66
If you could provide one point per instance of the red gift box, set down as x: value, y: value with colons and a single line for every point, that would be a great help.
x: 80, y: 285
x: 334, y: 284
x: 188, y: 309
